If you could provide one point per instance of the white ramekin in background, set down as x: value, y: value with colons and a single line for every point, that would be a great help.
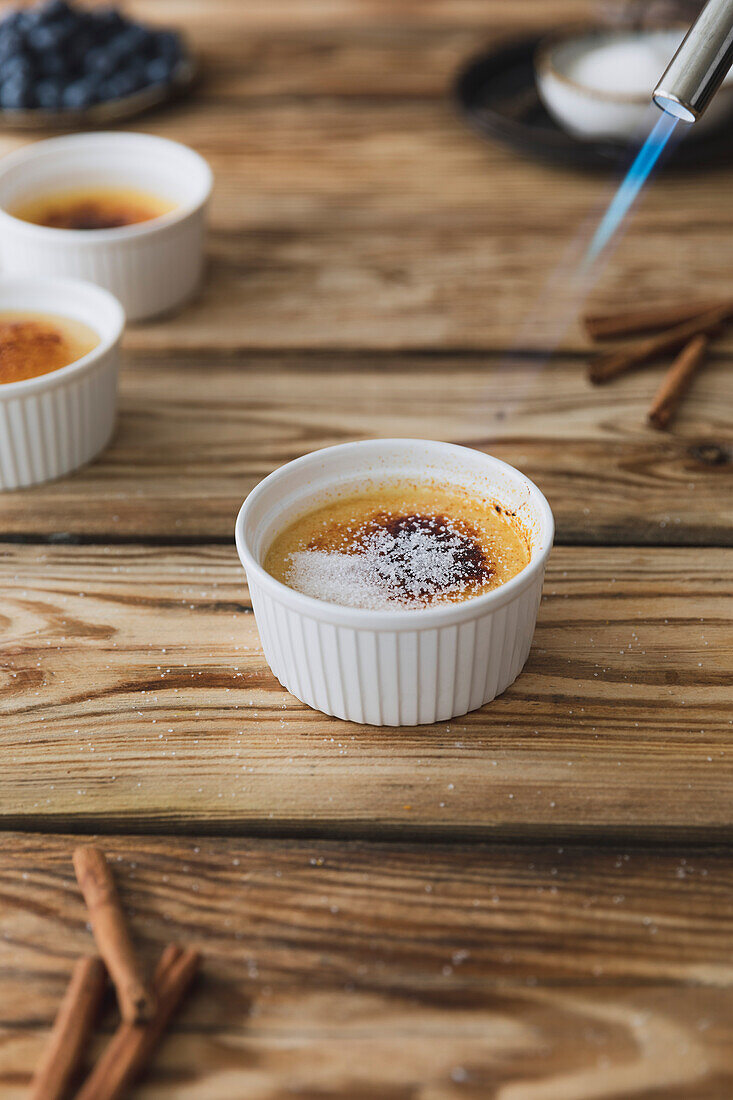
x: 592, y: 114
x: 150, y: 267
x: 51, y: 424
x: 393, y: 668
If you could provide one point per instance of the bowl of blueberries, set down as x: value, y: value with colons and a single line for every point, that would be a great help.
x: 61, y: 63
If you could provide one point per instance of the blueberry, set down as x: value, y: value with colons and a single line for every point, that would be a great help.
x: 134, y: 69
x: 13, y: 21
x: 112, y: 88
x: 168, y: 45
x: 120, y: 85
x: 11, y: 43
x: 105, y: 92
x: 25, y: 20
x: 49, y: 36
x: 130, y: 80
x: 132, y: 40
x: 49, y: 94
x: 79, y: 45
x: 16, y: 67
x: 101, y: 60
x: 80, y: 94
x: 33, y: 17
x: 158, y: 71
x: 108, y: 21
x: 16, y: 93
x: 57, y: 9
x: 52, y: 64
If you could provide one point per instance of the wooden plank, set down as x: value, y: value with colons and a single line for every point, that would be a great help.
x: 335, y: 969
x: 363, y: 221
x: 342, y: 47
x: 294, y: 17
x: 389, y: 225
x: 136, y: 696
x: 345, y: 48
x: 196, y: 434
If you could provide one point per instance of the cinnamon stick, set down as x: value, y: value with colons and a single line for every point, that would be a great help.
x: 110, y: 931
x: 677, y: 381
x: 613, y: 363
x: 608, y: 326
x: 71, y: 1030
x: 132, y: 1045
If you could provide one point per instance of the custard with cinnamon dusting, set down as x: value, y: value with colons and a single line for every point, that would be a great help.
x: 32, y: 344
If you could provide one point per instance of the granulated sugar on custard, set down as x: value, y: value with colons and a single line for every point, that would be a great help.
x: 401, y: 546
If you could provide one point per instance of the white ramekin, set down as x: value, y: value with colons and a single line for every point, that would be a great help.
x: 150, y: 267
x: 51, y: 424
x: 590, y: 113
x: 396, y: 668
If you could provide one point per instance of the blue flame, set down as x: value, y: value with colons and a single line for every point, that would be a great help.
x: 636, y: 177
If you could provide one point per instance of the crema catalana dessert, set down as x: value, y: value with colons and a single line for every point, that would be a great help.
x: 91, y: 208
x: 33, y: 343
x: 400, y: 545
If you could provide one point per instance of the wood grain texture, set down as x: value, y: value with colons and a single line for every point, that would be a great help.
x: 373, y: 266
x: 346, y: 47
x: 388, y: 226
x: 195, y: 434
x: 396, y: 972
x: 136, y: 696
x: 345, y: 217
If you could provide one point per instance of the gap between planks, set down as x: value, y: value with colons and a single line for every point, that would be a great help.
x: 375, y: 970
x: 144, y: 691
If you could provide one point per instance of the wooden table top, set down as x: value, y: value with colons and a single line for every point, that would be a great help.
x: 530, y: 903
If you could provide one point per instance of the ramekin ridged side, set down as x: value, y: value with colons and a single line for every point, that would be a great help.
x: 151, y: 267
x: 397, y: 678
x: 147, y: 274
x: 54, y: 423
x: 403, y: 667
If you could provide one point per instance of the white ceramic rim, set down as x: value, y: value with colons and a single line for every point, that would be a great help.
x: 48, y: 147
x: 421, y: 618
x: 545, y: 65
x: 89, y: 291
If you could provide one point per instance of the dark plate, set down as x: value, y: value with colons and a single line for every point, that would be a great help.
x: 103, y: 114
x: 496, y: 92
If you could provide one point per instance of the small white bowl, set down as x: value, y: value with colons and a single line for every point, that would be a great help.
x: 51, y: 424
x: 394, y: 668
x: 624, y: 115
x: 152, y: 266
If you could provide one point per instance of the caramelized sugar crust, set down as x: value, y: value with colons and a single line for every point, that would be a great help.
x: 93, y: 208
x: 32, y: 344
x: 403, y: 545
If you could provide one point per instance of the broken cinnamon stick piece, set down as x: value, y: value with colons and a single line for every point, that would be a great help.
x: 132, y: 1045
x: 613, y: 363
x: 72, y: 1028
x: 677, y: 381
x: 608, y: 326
x: 110, y: 931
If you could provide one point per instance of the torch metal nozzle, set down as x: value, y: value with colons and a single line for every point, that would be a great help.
x: 700, y: 65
